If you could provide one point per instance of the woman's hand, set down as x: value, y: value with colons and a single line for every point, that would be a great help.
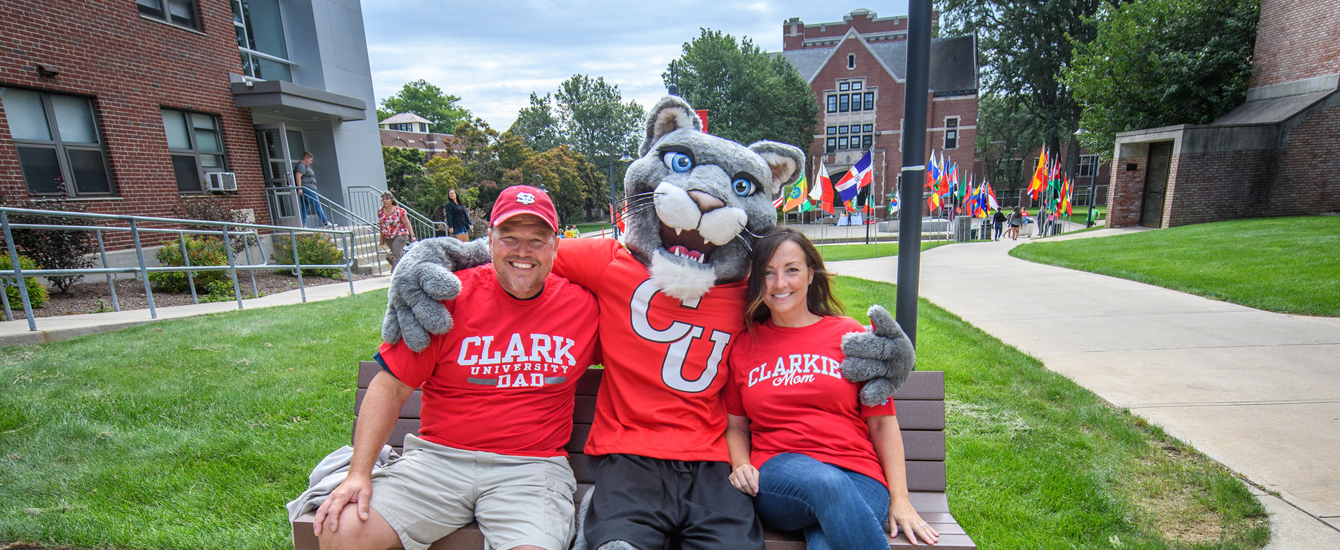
x: 904, y: 517
x: 745, y: 478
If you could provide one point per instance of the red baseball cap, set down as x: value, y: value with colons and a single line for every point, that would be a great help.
x: 524, y: 199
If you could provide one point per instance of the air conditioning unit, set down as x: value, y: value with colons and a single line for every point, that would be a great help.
x: 222, y: 181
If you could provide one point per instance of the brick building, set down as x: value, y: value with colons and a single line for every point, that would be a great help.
x: 131, y: 107
x: 411, y: 131
x: 1278, y: 154
x: 857, y: 68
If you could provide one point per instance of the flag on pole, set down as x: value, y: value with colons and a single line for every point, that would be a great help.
x: 1039, y: 176
x: 797, y: 195
x: 855, y: 179
x: 991, y: 197
x: 893, y: 202
x: 777, y: 203
x: 823, y: 189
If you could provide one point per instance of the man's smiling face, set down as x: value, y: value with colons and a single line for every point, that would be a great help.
x: 523, y: 249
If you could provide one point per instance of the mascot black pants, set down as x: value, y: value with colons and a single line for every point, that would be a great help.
x: 646, y: 501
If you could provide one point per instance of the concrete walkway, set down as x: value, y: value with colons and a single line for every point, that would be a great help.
x: 51, y: 329
x: 1257, y: 391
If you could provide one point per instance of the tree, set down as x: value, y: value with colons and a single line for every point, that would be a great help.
x: 1162, y: 62
x: 749, y: 95
x: 404, y: 168
x: 593, y: 119
x: 1007, y: 135
x: 428, y: 101
x: 537, y: 124
x: 1025, y: 47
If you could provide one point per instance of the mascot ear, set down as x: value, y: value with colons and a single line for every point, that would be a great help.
x: 670, y: 114
x: 787, y: 163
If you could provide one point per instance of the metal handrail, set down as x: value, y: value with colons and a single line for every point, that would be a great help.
x: 423, y: 227
x: 16, y: 274
x: 367, y: 239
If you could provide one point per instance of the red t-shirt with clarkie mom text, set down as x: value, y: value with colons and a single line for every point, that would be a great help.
x: 503, y: 380
x: 787, y: 381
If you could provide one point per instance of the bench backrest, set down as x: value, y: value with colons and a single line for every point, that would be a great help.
x: 920, y: 406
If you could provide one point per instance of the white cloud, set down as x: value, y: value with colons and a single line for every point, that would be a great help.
x: 494, y: 54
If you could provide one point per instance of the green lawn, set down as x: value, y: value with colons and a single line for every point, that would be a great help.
x: 840, y: 252
x: 1288, y: 265
x: 595, y: 226
x: 194, y: 433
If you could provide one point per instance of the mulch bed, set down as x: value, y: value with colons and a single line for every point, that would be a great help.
x: 95, y: 297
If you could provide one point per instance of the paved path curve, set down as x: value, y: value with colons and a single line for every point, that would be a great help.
x: 1256, y: 391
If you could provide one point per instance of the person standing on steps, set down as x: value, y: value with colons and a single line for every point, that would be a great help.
x: 395, y: 227
x: 305, y: 177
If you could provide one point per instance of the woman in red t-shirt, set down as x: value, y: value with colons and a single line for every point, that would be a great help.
x: 826, y: 464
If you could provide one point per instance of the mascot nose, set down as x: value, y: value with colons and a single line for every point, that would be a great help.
x: 706, y: 202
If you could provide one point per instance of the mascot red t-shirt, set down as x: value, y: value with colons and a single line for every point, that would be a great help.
x: 661, y: 396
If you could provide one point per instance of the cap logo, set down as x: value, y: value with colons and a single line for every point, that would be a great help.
x: 525, y: 198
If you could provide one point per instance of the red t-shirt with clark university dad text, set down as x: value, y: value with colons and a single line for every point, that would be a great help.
x: 504, y: 378
x: 787, y: 381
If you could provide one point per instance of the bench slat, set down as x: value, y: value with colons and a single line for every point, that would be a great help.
x: 924, y: 475
x: 922, y: 385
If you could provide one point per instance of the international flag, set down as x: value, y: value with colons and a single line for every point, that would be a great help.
x: 616, y: 218
x: 797, y: 195
x: 823, y: 189
x: 893, y: 202
x: 1039, y: 176
x: 857, y: 177
x: 778, y: 202
x: 991, y: 198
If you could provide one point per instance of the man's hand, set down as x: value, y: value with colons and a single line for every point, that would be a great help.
x: 421, y: 280
x: 882, y: 357
x: 355, y: 488
x: 745, y: 478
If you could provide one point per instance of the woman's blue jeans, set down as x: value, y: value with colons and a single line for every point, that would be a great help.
x: 310, y: 201
x: 836, y: 508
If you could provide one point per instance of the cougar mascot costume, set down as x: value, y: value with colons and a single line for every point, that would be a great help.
x: 672, y: 297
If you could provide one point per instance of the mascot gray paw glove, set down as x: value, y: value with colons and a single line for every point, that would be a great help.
x: 420, y: 282
x: 882, y: 357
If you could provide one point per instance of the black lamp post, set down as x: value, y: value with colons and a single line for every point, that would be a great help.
x: 673, y: 87
x: 613, y: 203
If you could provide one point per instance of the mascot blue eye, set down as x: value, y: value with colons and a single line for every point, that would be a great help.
x: 678, y: 162
x: 742, y: 187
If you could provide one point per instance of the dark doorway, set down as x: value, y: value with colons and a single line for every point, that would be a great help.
x: 1156, y: 184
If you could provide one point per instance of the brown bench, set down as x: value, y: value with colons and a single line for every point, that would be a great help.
x: 921, y: 415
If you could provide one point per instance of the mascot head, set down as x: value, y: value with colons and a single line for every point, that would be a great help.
x: 695, y: 201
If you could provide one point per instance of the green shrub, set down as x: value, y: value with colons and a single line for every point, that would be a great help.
x: 219, y: 291
x: 312, y: 249
x: 37, y: 294
x: 56, y: 249
x: 204, y: 251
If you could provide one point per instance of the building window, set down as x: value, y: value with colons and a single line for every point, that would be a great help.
x: 1088, y: 166
x: 855, y: 102
x: 851, y: 61
x: 57, y: 140
x: 842, y: 143
x: 870, y: 101
x: 867, y: 141
x: 403, y: 127
x: 842, y: 129
x: 832, y: 103
x: 260, y: 39
x: 177, y: 12
x: 832, y: 130
x: 843, y: 86
x: 196, y: 146
x: 856, y: 86
x: 868, y: 128
x: 951, y: 132
x: 844, y: 104
x: 831, y: 145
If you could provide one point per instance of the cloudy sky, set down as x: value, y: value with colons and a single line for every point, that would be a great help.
x: 494, y: 53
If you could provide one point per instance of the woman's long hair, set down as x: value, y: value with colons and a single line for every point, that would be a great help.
x: 454, y: 196
x: 819, y: 296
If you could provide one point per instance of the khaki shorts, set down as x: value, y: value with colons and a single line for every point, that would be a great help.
x: 434, y: 490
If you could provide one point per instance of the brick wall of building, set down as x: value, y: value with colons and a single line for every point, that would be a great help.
x: 132, y: 67
x: 795, y: 32
x: 1310, y: 168
x: 1127, y: 191
x: 1296, y: 39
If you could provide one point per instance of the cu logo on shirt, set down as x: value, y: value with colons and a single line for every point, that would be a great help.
x: 680, y: 336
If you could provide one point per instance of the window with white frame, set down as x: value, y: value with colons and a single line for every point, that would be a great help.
x: 196, y: 146
x: 951, y: 132
x: 177, y: 12
x: 260, y: 39
x: 57, y: 140
x: 1088, y: 166
x: 851, y: 61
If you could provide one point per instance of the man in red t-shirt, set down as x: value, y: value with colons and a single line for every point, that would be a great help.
x: 498, y: 393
